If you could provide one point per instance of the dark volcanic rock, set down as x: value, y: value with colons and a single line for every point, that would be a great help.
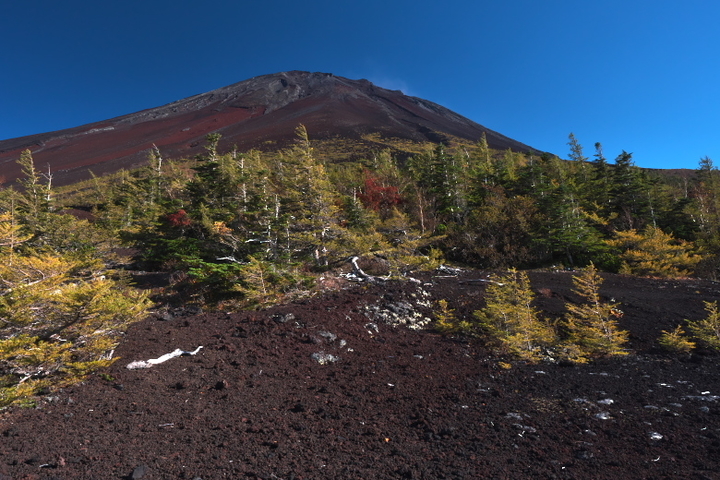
x: 399, y: 403
x: 260, y: 112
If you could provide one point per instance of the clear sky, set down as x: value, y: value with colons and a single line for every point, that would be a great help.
x: 635, y: 75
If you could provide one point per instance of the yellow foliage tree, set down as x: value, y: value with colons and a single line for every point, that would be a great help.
x: 655, y: 253
x: 512, y: 320
x: 676, y: 341
x: 592, y: 324
x: 707, y: 330
x: 10, y: 235
x: 447, y: 322
x: 55, y: 325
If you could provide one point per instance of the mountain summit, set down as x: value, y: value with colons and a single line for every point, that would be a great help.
x: 262, y: 112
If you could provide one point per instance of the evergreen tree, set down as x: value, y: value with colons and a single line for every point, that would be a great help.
x: 676, y: 341
x: 500, y: 233
x: 577, y: 157
x: 601, y: 181
x: 705, y: 213
x: 707, y: 330
x: 629, y: 198
x: 511, y: 318
x: 592, y: 324
x: 36, y: 196
x: 655, y: 253
x: 442, y: 176
x: 568, y: 232
x: 59, y: 319
x: 484, y: 169
x: 313, y: 215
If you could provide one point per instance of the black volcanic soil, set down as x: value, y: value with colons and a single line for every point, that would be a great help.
x: 327, y: 389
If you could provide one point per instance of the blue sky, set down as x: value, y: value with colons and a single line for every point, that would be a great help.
x: 635, y: 75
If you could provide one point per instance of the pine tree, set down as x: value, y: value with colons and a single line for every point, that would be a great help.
x: 511, y: 319
x: 501, y: 232
x: 443, y: 177
x: 629, y: 196
x: 10, y: 236
x: 601, y: 180
x: 592, y: 324
x: 676, y: 341
x: 579, y: 160
x: 705, y: 213
x: 406, y: 249
x: 311, y: 202
x: 446, y: 320
x: 36, y: 198
x: 483, y: 172
x: 57, y: 326
x: 707, y: 330
x: 655, y: 253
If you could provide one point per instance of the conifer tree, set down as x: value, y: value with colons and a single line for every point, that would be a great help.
x: 592, y: 324
x: 511, y: 318
x: 629, y: 197
x: 446, y: 320
x: 56, y: 325
x: 653, y: 252
x: 601, y: 180
x: 443, y: 177
x: 311, y: 201
x: 579, y: 160
x: 705, y: 213
x: 500, y: 233
x: 676, y: 341
x: 10, y: 235
x: 406, y: 248
x: 60, y: 317
x: 35, y: 200
x: 482, y: 172
x: 707, y: 330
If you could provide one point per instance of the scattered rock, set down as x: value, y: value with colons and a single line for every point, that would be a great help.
x: 283, y: 318
x: 139, y: 472
x: 330, y: 337
x: 324, y: 358
x: 164, y: 316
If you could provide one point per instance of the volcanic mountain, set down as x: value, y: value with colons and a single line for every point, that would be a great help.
x: 262, y: 112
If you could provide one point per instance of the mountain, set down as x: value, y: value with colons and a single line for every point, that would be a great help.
x: 262, y: 112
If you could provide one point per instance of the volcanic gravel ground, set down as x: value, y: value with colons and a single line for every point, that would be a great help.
x: 355, y: 385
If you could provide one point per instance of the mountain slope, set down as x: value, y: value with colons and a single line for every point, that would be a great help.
x: 336, y: 387
x: 256, y: 113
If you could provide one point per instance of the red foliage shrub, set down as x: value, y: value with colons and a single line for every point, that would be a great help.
x: 179, y: 219
x: 377, y: 197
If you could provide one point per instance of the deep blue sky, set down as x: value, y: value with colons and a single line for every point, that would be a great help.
x: 635, y: 75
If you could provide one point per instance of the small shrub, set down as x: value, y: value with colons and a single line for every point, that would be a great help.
x: 707, y: 330
x: 447, y: 322
x: 263, y: 284
x: 676, y: 341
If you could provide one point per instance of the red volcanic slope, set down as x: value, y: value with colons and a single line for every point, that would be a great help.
x: 247, y: 114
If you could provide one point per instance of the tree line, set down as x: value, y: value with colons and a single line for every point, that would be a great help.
x: 466, y: 203
x: 248, y: 229
x: 287, y: 213
x: 255, y: 226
